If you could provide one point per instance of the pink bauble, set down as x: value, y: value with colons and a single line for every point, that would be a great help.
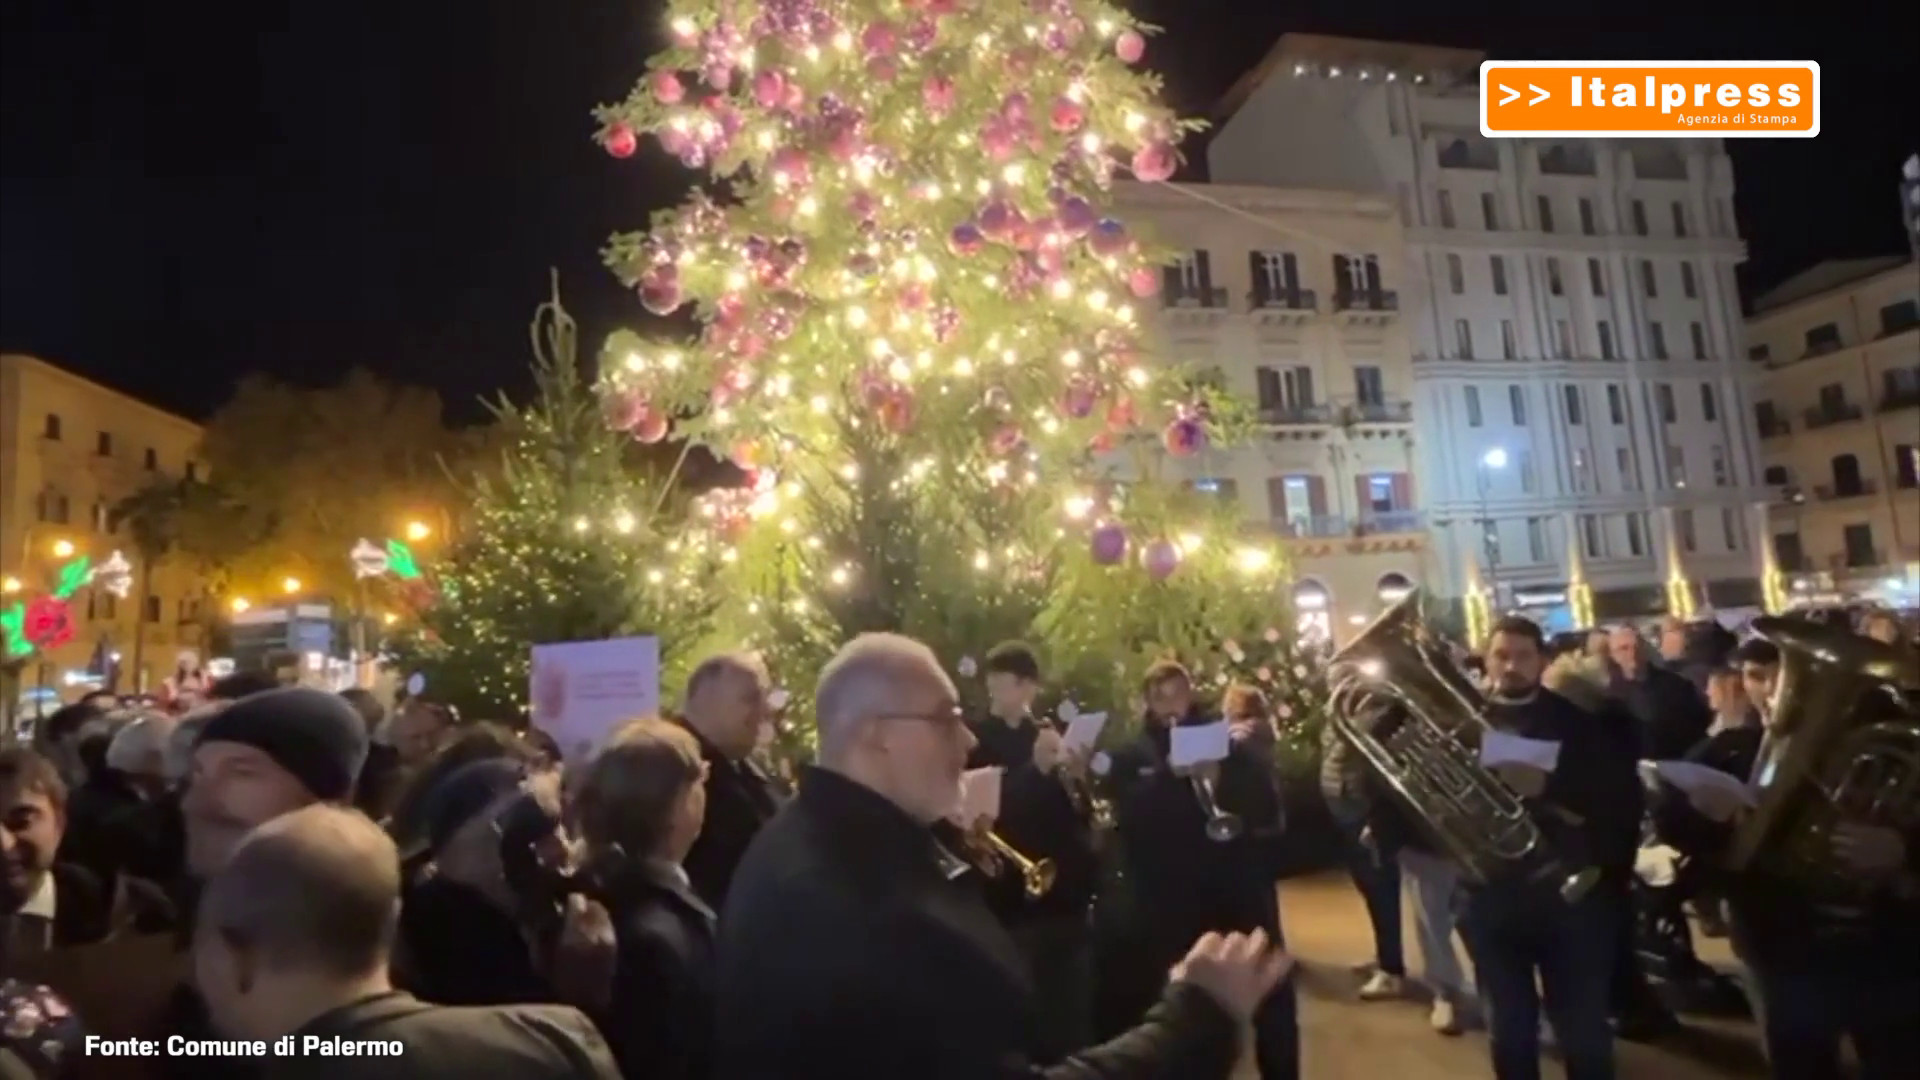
x: 660, y: 292
x: 1155, y: 162
x: 728, y: 309
x: 620, y: 141
x: 883, y: 69
x: 1184, y: 437
x: 1108, y: 544
x: 624, y: 410
x: 1067, y: 115
x: 770, y: 89
x: 652, y: 427
x: 1161, y: 559
x: 1143, y: 281
x: 997, y: 139
x: 879, y: 40
x: 846, y: 144
x: 789, y: 164
x: 1006, y: 439
x: 938, y: 94
x: 1014, y: 108
x: 667, y: 88
x: 1130, y: 47
x: 895, y: 410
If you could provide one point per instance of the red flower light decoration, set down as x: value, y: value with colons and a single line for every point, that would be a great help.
x: 48, y: 623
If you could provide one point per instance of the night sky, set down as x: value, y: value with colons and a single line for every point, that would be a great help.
x: 299, y: 187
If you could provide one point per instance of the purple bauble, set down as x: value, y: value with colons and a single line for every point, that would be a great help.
x: 1161, y: 559
x: 1108, y: 544
x: 965, y: 239
x: 999, y: 220
x: 1080, y: 397
x: 1109, y: 238
x: 1184, y: 437
x: 1077, y: 217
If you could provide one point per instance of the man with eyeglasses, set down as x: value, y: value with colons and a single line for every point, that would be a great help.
x: 851, y: 945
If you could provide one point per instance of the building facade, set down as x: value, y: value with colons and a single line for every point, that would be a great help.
x: 70, y: 449
x: 1287, y: 299
x: 1838, y: 411
x: 1584, y: 425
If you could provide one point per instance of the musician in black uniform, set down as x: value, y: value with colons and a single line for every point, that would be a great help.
x: 1587, y: 808
x: 1823, y: 963
x: 1044, y: 814
x: 1178, y: 882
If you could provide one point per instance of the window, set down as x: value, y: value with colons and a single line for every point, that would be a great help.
x: 1647, y: 280
x: 1582, y: 475
x: 1676, y: 467
x: 1227, y: 490
x: 1663, y: 397
x: 1657, y: 340
x: 1187, y: 277
x: 1473, y: 406
x: 1788, y: 552
x: 1906, y: 466
x: 1679, y: 219
x: 1509, y: 347
x: 1296, y: 500
x: 153, y: 460
x: 1639, y: 218
x: 1368, y: 387
x: 1489, y: 211
x: 1683, y: 524
x: 1266, y: 388
x: 1759, y: 354
x: 1859, y: 544
x: 1709, y: 407
x: 1721, y: 478
x: 1698, y: 332
x: 1446, y: 210
x: 1554, y: 284
x: 1527, y: 476
x: 1730, y: 528
x: 1606, y: 340
x: 1357, y: 274
x: 52, y: 507
x: 1596, y: 277
x: 1490, y: 539
x: 1629, y: 476
x: 1517, y: 404
x: 1636, y: 535
x: 1456, y: 275
x: 1276, y: 275
x: 1846, y: 476
x: 1616, y: 404
x: 1590, y: 537
x: 103, y: 444
x: 1587, y: 225
x: 1689, y: 287
x: 1823, y: 338
x: 1378, y: 493
x: 192, y: 472
x: 1563, y: 339
x: 1546, y: 213
x: 1499, y: 267
x: 1463, y: 339
x: 1571, y: 394
x: 109, y: 607
x: 1537, y: 539
x: 152, y: 612
x: 51, y: 429
x: 1894, y: 318
x: 1777, y: 476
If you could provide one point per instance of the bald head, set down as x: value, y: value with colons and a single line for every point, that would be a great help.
x: 727, y: 702
x: 870, y: 676
x: 316, y: 890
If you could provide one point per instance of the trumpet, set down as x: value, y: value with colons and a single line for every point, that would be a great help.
x: 1036, y: 875
x: 1221, y: 825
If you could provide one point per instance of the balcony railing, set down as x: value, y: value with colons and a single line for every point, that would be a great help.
x: 1820, y: 416
x: 1798, y: 564
x: 1294, y: 415
x: 1367, y: 300
x: 1900, y: 399
x: 1319, y: 525
x: 1857, y: 560
x: 1215, y: 297
x: 1821, y: 348
x: 1859, y: 490
x: 1380, y: 412
x: 1391, y: 522
x: 1282, y: 300
x: 1773, y: 427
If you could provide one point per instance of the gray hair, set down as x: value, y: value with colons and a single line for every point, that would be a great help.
x: 865, y: 677
x: 140, y: 746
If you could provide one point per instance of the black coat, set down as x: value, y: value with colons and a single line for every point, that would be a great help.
x: 848, y: 948
x: 740, y: 799
x: 660, y: 1021
x: 1672, y: 715
x: 460, y: 948
x: 1041, y: 820
x: 512, y: 1042
x: 1596, y: 779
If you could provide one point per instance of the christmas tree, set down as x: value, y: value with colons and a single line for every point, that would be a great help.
x: 921, y: 333
x: 567, y: 540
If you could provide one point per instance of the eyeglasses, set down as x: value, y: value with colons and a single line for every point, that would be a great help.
x: 950, y: 718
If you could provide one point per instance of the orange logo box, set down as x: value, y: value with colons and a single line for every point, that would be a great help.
x: 1650, y: 99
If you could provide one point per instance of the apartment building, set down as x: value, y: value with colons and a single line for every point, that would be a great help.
x: 1837, y: 349
x: 70, y: 449
x: 1583, y: 422
x: 1288, y: 298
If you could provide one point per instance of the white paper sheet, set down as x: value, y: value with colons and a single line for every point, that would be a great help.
x: 1691, y: 777
x: 1196, y: 745
x: 980, y: 794
x: 1500, y: 748
x: 1083, y: 730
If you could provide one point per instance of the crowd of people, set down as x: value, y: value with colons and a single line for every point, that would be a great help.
x: 278, y: 871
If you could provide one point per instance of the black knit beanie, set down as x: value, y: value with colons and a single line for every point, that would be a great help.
x: 316, y: 736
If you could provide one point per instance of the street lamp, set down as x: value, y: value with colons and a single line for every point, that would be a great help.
x: 291, y: 585
x: 9, y: 584
x: 1491, y: 462
x: 62, y: 549
x: 239, y: 605
x: 418, y: 531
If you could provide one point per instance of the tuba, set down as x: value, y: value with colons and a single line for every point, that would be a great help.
x: 1416, y: 720
x: 1850, y: 707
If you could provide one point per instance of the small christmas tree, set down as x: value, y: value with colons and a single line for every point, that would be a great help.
x: 567, y: 541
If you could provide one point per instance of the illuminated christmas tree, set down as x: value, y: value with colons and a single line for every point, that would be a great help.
x: 921, y: 333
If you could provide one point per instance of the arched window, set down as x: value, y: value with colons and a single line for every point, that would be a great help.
x: 1313, y: 609
x: 1393, y: 587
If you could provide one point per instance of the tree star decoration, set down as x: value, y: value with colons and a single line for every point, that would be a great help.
x: 115, y: 575
x: 368, y: 560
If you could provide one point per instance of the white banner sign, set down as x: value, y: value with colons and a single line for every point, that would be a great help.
x: 582, y: 691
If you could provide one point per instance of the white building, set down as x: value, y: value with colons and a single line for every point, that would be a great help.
x: 1287, y: 298
x: 1838, y: 411
x: 1584, y: 426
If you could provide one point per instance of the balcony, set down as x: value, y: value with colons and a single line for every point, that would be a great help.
x: 1192, y: 306
x: 1391, y: 522
x: 1857, y: 560
x: 1282, y: 307
x: 1820, y: 416
x: 1296, y: 415
x: 1822, y: 348
x: 1375, y: 307
x: 1379, y: 412
x: 1797, y: 564
x: 1318, y: 526
x: 1773, y: 427
x: 1833, y: 492
x: 1900, y: 399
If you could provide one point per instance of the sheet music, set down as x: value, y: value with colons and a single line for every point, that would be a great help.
x: 1691, y: 777
x: 1083, y: 730
x: 980, y: 794
x: 1196, y: 745
x: 1499, y: 748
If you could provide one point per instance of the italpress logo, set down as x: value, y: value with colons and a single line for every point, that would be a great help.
x: 1650, y: 99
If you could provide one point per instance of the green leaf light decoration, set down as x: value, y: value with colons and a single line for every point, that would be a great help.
x: 401, y: 562
x: 12, y: 629
x: 73, y: 577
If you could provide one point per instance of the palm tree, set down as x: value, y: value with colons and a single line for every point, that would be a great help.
x: 153, y: 517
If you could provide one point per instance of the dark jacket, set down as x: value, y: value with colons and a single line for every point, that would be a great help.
x: 1041, y: 820
x: 850, y: 949
x: 462, y: 949
x: 1591, y: 808
x: 105, y: 825
x: 1672, y: 715
x: 512, y: 1042
x: 660, y: 1021
x: 740, y: 799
